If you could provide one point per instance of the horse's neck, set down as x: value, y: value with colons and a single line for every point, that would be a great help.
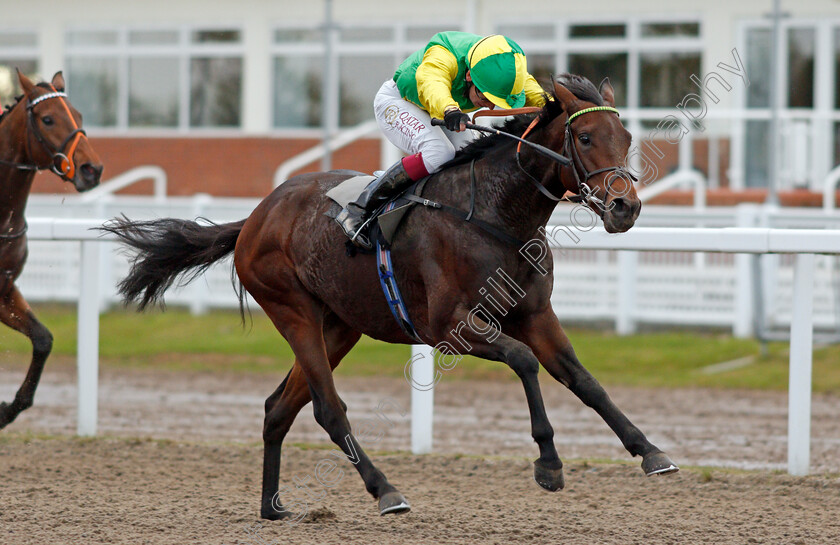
x: 511, y: 194
x: 15, y: 183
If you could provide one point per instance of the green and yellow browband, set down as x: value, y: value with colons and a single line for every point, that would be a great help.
x: 593, y: 109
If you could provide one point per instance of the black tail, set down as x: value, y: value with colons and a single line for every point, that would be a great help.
x: 167, y: 249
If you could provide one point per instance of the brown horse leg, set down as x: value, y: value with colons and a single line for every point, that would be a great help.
x: 548, y: 469
x: 546, y: 337
x: 305, y: 336
x: 15, y: 313
x: 282, y: 407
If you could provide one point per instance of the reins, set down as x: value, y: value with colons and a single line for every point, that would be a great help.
x: 584, y: 192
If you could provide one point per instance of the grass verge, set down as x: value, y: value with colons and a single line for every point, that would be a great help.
x: 175, y: 340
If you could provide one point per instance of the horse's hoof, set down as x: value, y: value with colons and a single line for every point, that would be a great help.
x: 270, y: 512
x: 550, y: 479
x: 5, y: 412
x: 658, y: 463
x: 393, y: 503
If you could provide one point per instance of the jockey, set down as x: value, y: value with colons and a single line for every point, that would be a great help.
x: 455, y: 73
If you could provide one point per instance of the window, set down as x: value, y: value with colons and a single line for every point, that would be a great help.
x: 596, y: 67
x: 365, y: 57
x: 18, y: 50
x: 666, y: 77
x: 161, y: 78
x: 809, y: 120
x: 801, y: 67
x: 667, y: 54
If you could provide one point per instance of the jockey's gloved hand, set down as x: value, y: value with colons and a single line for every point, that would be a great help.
x: 454, y: 119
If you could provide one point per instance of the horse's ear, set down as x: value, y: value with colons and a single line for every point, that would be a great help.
x: 569, y: 101
x: 25, y: 83
x: 607, y: 92
x: 58, y: 81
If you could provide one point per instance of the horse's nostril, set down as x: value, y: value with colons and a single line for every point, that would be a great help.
x: 91, y: 172
x: 620, y: 208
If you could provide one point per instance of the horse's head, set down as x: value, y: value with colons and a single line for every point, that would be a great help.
x: 54, y: 137
x: 597, y: 144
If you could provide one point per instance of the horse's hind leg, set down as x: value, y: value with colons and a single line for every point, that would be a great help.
x: 282, y: 407
x: 15, y: 313
x: 554, y: 350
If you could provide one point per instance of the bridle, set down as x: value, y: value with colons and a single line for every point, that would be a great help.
x: 62, y: 161
x: 581, y: 193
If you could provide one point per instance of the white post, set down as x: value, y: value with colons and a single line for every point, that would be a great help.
x: 200, y: 290
x: 422, y: 400
x: 88, y: 343
x: 625, y: 322
x: 801, y: 337
x: 743, y: 323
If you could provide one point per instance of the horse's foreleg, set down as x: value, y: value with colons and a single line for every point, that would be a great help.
x: 15, y: 313
x: 494, y: 345
x: 554, y: 350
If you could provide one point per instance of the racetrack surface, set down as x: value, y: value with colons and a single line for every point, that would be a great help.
x: 180, y: 462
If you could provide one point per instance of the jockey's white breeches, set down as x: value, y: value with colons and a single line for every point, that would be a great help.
x: 409, y: 127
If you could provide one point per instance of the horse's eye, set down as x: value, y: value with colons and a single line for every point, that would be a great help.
x: 584, y: 139
x: 47, y: 120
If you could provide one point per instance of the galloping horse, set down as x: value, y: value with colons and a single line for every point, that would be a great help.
x: 40, y: 131
x: 291, y: 258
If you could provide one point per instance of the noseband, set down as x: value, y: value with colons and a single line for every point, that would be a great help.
x: 62, y: 161
x: 583, y: 192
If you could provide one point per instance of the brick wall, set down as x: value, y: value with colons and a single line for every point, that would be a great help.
x: 244, y: 167
x: 222, y: 167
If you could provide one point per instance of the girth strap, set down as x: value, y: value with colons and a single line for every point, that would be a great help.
x: 385, y: 269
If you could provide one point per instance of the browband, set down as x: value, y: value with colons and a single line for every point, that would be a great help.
x: 56, y: 94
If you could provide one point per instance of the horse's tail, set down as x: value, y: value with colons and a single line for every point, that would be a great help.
x: 166, y: 249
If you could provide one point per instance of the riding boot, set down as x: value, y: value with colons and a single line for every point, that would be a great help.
x: 377, y: 193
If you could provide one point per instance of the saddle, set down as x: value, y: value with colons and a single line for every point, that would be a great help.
x: 382, y: 225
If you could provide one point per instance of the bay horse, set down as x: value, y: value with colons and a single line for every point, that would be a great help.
x: 291, y: 258
x: 40, y: 131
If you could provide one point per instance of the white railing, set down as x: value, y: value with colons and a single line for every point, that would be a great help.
x: 314, y: 153
x: 127, y: 178
x: 829, y: 189
x: 805, y: 243
x: 673, y: 288
x: 674, y: 180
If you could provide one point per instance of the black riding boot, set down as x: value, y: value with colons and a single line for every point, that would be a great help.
x: 374, y: 195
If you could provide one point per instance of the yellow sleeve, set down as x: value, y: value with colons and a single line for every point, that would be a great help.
x: 534, y: 94
x: 435, y: 75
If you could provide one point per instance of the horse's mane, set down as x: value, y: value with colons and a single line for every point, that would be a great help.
x: 579, y: 86
x: 19, y: 98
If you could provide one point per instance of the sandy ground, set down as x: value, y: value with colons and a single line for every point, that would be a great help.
x: 179, y: 462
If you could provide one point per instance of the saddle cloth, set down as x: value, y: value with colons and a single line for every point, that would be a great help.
x: 388, y: 218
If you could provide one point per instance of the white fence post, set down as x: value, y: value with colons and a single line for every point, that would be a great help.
x: 743, y: 323
x: 422, y: 400
x: 88, y: 338
x: 625, y: 323
x: 799, y: 393
x: 199, y: 289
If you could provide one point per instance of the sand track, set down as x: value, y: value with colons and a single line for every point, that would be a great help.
x: 180, y: 463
